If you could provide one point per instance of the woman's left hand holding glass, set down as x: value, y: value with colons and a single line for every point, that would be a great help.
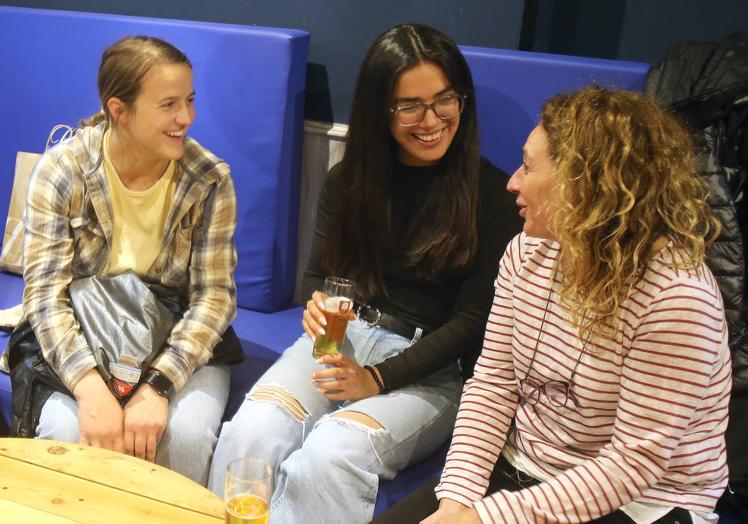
x: 345, y: 380
x: 145, y: 421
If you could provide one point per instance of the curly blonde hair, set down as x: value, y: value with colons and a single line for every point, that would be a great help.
x: 625, y: 178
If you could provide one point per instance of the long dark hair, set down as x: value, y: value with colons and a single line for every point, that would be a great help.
x: 443, y: 236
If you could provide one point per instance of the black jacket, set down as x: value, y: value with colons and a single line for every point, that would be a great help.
x: 707, y: 84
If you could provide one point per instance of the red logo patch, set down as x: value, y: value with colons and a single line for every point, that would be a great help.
x: 122, y: 388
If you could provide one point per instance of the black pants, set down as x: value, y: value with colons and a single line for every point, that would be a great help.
x: 4, y: 429
x: 422, y: 503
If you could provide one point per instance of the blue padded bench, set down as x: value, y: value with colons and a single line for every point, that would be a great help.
x: 512, y: 86
x: 250, y: 85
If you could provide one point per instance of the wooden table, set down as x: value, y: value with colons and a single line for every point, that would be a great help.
x: 58, y: 482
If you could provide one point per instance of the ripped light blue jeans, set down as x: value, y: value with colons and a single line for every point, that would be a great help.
x: 327, y: 469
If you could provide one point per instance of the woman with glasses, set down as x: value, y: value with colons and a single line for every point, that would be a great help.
x: 601, y: 393
x: 418, y: 220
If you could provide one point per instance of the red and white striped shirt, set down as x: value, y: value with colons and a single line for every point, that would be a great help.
x: 653, y: 401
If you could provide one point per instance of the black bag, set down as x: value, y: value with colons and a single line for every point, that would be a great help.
x: 707, y: 85
x: 31, y: 379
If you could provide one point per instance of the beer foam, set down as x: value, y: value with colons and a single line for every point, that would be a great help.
x: 338, y: 304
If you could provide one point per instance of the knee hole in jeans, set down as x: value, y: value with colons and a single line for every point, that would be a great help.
x: 358, y: 419
x: 279, y: 396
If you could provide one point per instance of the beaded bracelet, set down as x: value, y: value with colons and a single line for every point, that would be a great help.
x: 376, y: 379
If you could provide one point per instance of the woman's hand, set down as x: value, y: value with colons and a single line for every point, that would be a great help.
x: 346, y: 380
x: 145, y: 421
x: 100, y: 417
x: 452, y: 512
x: 314, y: 321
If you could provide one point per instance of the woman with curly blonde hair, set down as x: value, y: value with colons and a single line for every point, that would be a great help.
x: 601, y: 393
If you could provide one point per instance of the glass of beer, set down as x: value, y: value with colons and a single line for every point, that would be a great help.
x: 247, y: 491
x: 338, y: 309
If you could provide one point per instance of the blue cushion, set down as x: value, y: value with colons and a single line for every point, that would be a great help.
x: 250, y: 90
x: 511, y: 87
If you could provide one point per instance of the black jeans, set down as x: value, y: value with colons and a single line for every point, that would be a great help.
x: 422, y: 502
x: 4, y: 429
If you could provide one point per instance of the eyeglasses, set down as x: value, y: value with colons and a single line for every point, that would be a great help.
x: 445, y: 107
x: 557, y: 392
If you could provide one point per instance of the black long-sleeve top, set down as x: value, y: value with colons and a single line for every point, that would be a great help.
x: 455, y: 306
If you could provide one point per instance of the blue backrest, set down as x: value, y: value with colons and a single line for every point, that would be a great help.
x: 250, y: 93
x: 511, y: 87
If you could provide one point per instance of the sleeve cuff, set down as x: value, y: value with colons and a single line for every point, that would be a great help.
x: 447, y: 492
x: 173, y: 367
x: 79, y: 363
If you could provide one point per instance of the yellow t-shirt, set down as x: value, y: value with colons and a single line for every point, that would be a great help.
x: 139, y: 219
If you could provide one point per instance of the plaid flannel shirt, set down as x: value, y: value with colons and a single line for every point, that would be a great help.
x: 68, y: 235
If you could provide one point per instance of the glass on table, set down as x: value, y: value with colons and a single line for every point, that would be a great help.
x: 247, y: 492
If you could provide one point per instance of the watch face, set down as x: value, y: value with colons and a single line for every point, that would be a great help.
x: 160, y: 383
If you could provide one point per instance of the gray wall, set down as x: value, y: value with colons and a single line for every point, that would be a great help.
x: 651, y: 27
x: 637, y: 30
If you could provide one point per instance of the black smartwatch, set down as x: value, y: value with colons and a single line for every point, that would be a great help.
x: 159, y: 382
